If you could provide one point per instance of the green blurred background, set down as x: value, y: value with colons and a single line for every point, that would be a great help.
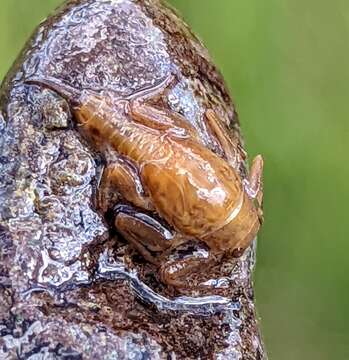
x: 286, y: 63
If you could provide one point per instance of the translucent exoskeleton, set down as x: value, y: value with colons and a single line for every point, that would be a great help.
x: 158, y: 164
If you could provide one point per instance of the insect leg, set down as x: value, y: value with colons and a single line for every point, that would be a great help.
x: 122, y: 177
x: 145, y: 233
x: 254, y: 184
x: 162, y: 119
x: 189, y: 272
x: 153, y: 92
x: 231, y: 150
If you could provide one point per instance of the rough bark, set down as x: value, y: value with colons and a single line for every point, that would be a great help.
x: 69, y: 286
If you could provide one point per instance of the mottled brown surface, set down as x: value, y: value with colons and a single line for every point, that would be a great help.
x: 69, y: 287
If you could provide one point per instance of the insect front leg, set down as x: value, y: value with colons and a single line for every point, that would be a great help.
x: 147, y: 235
x: 162, y: 120
x: 157, y: 118
x: 153, y: 92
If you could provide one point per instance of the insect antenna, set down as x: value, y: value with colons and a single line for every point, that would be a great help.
x: 66, y: 91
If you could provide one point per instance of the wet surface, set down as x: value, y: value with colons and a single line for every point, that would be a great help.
x: 62, y: 266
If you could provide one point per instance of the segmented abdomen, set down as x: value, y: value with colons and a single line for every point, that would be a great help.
x: 193, y: 189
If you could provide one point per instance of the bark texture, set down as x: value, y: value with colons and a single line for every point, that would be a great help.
x: 70, y: 287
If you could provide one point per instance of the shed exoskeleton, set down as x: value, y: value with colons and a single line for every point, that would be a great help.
x: 157, y: 162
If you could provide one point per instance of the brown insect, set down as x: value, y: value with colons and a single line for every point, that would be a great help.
x: 158, y: 163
